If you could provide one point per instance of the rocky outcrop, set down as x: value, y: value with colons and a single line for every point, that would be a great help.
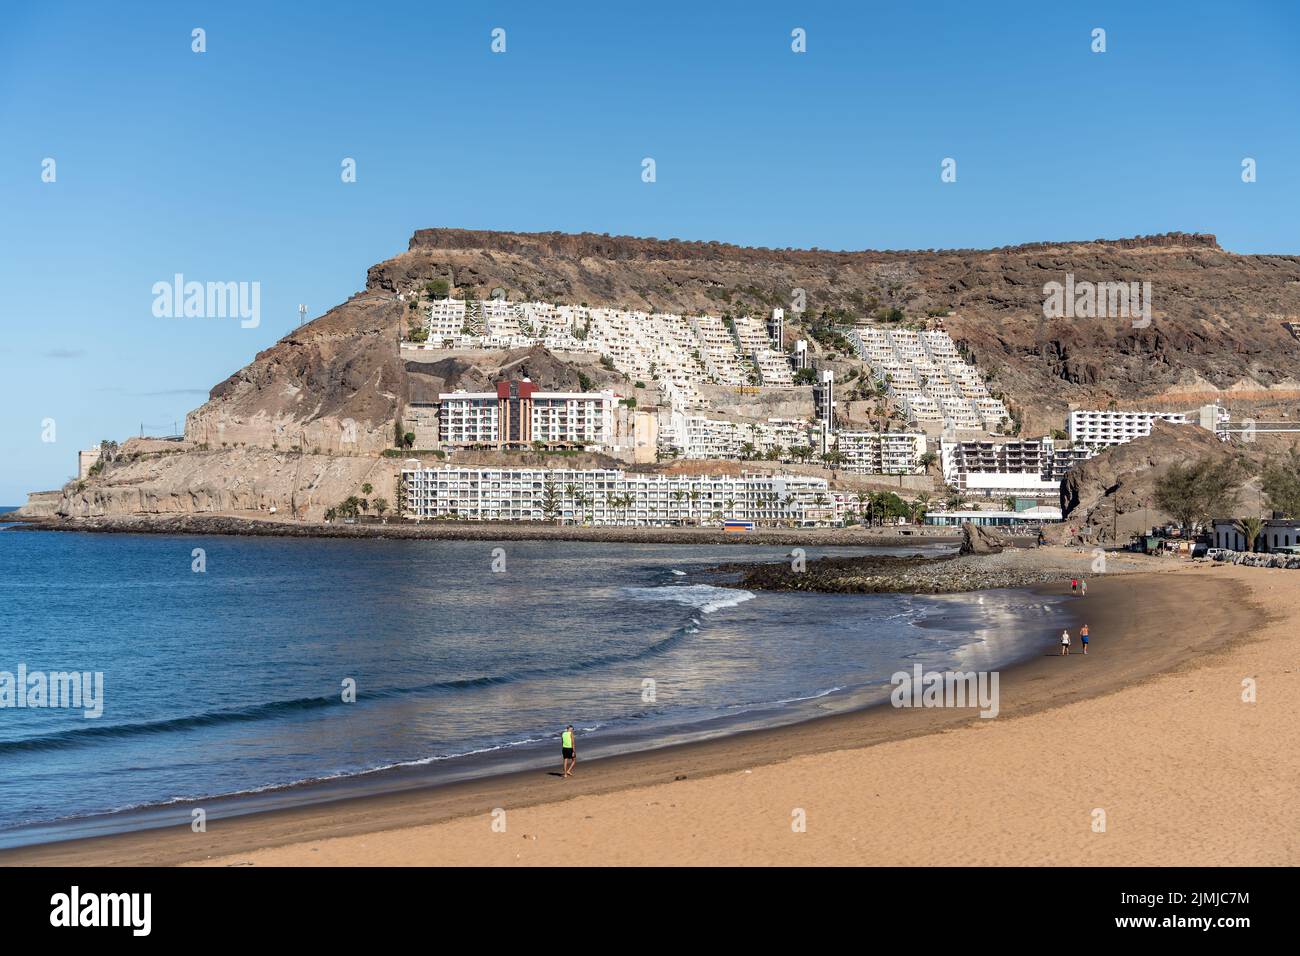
x: 430, y: 373
x: 333, y: 385
x: 978, y: 540
x: 1012, y: 568
x: 40, y: 504
x: 1112, y: 496
x: 1253, y: 560
x: 233, y: 480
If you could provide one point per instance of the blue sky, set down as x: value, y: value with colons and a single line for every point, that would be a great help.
x: 225, y: 165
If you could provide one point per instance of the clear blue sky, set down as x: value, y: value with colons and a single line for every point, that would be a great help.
x: 225, y: 165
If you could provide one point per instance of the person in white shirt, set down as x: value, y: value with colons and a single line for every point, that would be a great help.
x: 1065, y: 643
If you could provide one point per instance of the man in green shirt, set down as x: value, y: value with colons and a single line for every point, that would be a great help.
x: 566, y: 748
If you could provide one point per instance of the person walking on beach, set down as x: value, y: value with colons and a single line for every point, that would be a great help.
x: 566, y: 748
x: 1074, y: 585
x: 1083, y: 638
x: 1083, y: 588
x: 1065, y: 643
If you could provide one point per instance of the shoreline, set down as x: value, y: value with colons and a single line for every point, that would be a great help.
x: 949, y: 618
x: 1154, y: 612
x: 208, y: 524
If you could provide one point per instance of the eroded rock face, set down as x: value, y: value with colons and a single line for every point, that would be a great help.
x: 232, y: 481
x: 333, y: 385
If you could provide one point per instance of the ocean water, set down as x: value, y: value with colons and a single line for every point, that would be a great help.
x: 230, y: 681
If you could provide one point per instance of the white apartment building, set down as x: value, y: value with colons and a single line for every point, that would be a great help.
x: 776, y: 329
x: 881, y: 453
x: 446, y: 320
x: 516, y: 415
x: 1098, y: 429
x: 824, y: 400
x: 612, y: 497
x: 1027, y: 467
x: 702, y: 437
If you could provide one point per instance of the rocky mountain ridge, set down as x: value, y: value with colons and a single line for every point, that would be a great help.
x: 337, y: 386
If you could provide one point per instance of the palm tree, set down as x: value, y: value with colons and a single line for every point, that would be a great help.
x: 381, y: 505
x: 367, y: 488
x: 875, y: 506
x: 1249, y: 528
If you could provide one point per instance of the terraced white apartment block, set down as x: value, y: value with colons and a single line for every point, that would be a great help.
x: 928, y: 378
x: 676, y: 352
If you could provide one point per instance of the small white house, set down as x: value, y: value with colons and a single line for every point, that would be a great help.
x: 1279, y: 534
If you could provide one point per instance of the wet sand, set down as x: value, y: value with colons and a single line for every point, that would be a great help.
x: 1149, y: 728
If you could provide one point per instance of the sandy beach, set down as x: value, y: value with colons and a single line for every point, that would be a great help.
x: 1149, y: 729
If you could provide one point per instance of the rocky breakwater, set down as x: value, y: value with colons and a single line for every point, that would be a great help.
x: 949, y: 574
x: 1252, y: 560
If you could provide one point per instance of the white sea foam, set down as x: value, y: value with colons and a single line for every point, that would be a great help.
x: 705, y: 597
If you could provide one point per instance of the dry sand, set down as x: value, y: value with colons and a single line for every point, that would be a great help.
x: 1150, y: 728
